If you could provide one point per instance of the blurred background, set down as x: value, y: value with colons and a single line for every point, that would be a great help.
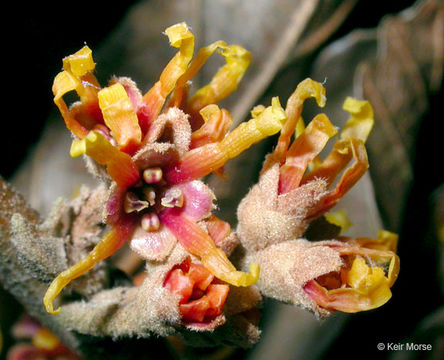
x: 389, y: 55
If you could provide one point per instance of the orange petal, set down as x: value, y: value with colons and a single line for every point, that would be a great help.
x: 180, y: 37
x: 197, y: 242
x: 45, y: 340
x: 179, y: 283
x: 194, y: 311
x: 304, y: 90
x: 344, y: 149
x: 217, y: 295
x: 217, y: 122
x: 217, y: 229
x: 303, y: 150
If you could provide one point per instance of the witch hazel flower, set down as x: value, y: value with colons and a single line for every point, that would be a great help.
x: 152, y: 150
x: 296, y: 187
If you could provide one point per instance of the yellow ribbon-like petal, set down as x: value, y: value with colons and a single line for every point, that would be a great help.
x: 77, y: 76
x: 225, y: 81
x: 119, y: 116
x: 203, y: 160
x: 361, y: 121
x: 102, y: 250
x: 119, y: 165
x: 180, y: 37
x: 79, y: 63
x: 195, y: 65
x: 65, y: 82
x: 267, y: 123
x: 112, y: 241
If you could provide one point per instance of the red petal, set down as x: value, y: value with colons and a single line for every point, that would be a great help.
x: 178, y: 283
x: 195, y: 311
x: 200, y: 276
x: 217, y: 295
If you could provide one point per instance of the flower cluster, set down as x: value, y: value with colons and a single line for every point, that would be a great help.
x: 152, y: 150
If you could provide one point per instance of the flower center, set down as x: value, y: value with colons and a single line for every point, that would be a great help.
x: 151, y: 196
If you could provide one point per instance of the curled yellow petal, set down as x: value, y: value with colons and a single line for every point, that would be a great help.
x: 77, y: 76
x: 115, y: 238
x: 305, y: 89
x: 202, y: 161
x: 120, y: 117
x: 217, y: 122
x: 267, y: 123
x: 364, y: 284
x: 119, y: 165
x: 358, y: 247
x: 225, y: 81
x: 79, y: 63
x: 381, y: 250
x: 195, y: 65
x: 370, y: 281
x: 357, y: 129
x: 361, y: 121
x: 180, y: 37
x: 64, y: 82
